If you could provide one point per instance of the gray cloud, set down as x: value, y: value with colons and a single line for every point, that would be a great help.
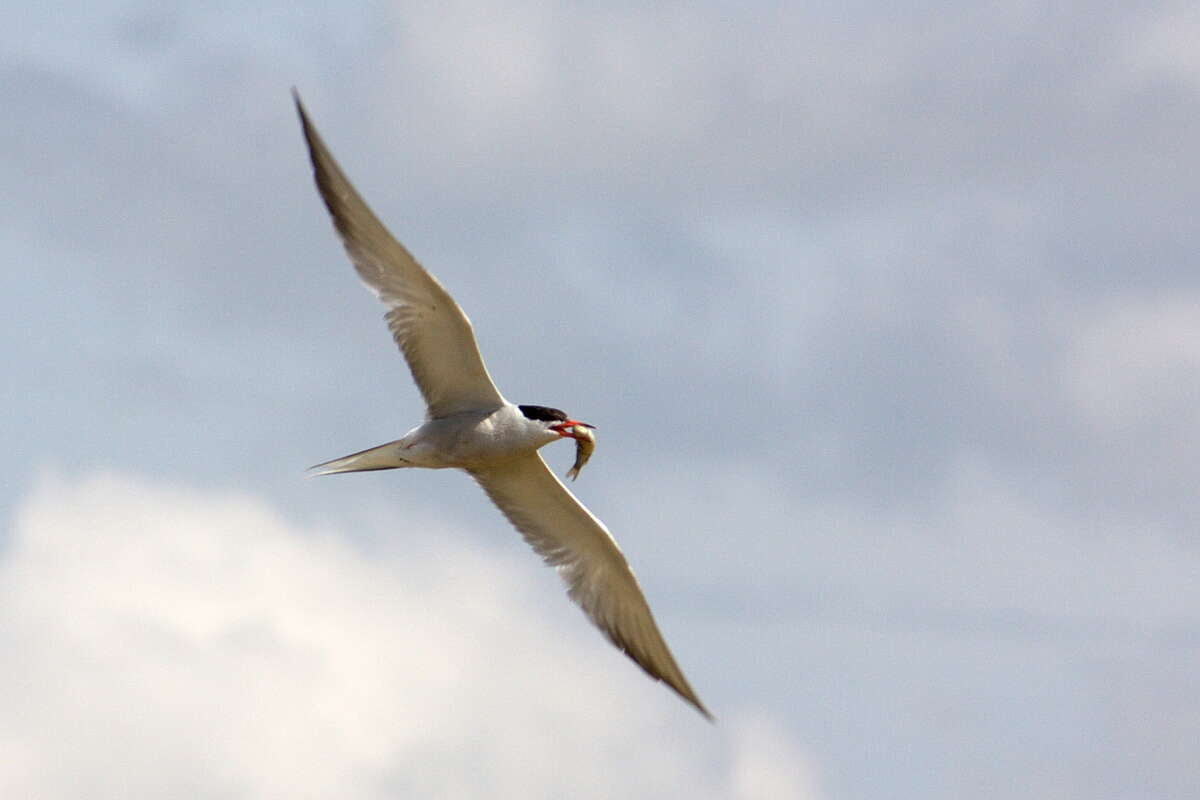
x: 884, y: 315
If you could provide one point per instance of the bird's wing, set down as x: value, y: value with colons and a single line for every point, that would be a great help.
x: 598, y: 578
x: 432, y: 331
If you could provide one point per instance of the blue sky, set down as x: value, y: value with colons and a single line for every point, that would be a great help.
x: 888, y: 319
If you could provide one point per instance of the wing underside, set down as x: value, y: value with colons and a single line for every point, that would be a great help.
x: 433, y: 333
x: 564, y: 533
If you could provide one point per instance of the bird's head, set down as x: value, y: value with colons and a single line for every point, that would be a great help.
x: 555, y: 420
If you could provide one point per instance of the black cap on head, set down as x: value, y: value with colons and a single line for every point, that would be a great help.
x: 543, y: 414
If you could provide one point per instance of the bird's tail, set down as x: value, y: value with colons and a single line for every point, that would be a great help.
x: 385, y: 456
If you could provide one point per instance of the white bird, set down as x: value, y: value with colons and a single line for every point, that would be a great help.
x: 470, y: 426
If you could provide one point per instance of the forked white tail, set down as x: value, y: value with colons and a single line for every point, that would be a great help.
x: 385, y: 456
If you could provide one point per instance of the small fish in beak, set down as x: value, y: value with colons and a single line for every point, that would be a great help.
x: 585, y: 443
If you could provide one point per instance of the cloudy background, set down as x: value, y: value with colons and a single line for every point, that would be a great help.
x: 889, y: 320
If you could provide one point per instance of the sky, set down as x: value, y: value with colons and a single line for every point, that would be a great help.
x: 888, y: 319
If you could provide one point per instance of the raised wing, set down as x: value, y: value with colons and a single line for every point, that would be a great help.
x: 598, y: 578
x: 433, y: 333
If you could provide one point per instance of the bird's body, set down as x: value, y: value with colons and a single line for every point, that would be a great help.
x: 470, y: 426
x: 464, y: 440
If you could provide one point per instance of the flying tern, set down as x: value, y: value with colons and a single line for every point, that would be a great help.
x: 470, y: 426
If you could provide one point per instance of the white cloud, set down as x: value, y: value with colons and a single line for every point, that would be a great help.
x: 160, y: 642
x: 767, y: 765
x: 1163, y: 44
x: 1135, y: 363
x: 1130, y: 373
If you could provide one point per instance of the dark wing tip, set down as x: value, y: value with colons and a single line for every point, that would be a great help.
x: 305, y: 124
x: 676, y: 682
x: 690, y: 698
x: 300, y: 107
x: 335, y: 189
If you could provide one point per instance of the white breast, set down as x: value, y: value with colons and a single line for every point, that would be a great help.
x: 474, y: 439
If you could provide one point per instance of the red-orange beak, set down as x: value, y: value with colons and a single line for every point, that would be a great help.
x: 567, y: 429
